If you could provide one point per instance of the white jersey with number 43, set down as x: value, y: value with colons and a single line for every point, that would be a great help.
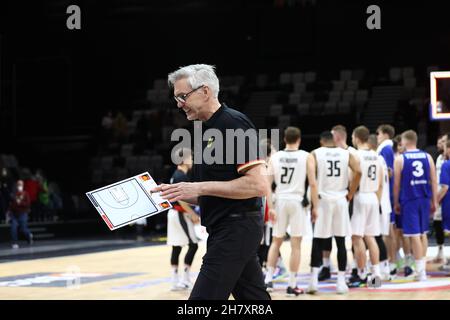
x: 370, y: 170
x: 289, y: 170
x: 332, y: 172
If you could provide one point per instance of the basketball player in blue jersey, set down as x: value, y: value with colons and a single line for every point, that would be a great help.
x: 444, y: 194
x: 415, y: 196
x: 444, y: 199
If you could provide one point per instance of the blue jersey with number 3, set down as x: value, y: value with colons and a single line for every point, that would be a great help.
x: 415, y: 182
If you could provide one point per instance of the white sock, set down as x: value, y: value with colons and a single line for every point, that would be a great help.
x: 362, y: 273
x: 315, y: 275
x: 341, y: 276
x: 408, y: 260
x: 186, y: 275
x: 392, y: 266
x: 175, y: 274
x: 420, y: 265
x: 280, y: 263
x: 269, y: 275
x: 385, y: 266
x: 424, y: 265
x: 440, y: 251
x: 326, y: 262
x: 353, y: 264
x: 292, y: 279
x: 376, y: 270
x: 398, y: 256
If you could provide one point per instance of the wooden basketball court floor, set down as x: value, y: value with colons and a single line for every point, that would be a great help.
x: 144, y: 273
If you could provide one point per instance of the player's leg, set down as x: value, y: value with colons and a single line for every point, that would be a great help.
x: 424, y: 226
x: 384, y: 241
x: 188, y: 229
x: 341, y: 286
x: 274, y: 252
x: 409, y: 258
x: 322, y: 231
x: 399, y: 239
x: 372, y: 230
x: 439, y: 231
x: 341, y: 229
x: 188, y: 259
x: 424, y: 214
x: 418, y: 250
x: 408, y: 217
x: 359, y: 249
x: 446, y: 227
x: 325, y: 271
x: 374, y: 254
x: 297, y: 216
x: 278, y: 234
x: 174, y: 258
x: 316, y: 262
x: 358, y: 277
x: 412, y: 229
x: 384, y: 261
x: 392, y: 250
x: 294, y: 265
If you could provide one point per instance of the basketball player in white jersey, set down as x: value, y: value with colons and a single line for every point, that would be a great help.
x: 365, y: 220
x: 387, y: 259
x: 266, y: 241
x: 180, y: 227
x: 330, y: 194
x: 340, y: 140
x: 287, y: 168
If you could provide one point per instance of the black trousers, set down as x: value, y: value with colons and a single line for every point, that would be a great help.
x: 230, y: 265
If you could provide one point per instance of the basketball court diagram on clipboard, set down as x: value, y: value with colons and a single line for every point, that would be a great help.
x: 126, y: 201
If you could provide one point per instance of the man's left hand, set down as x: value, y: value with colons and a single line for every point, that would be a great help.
x: 178, y: 191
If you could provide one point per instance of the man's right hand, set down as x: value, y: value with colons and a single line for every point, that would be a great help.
x: 349, y: 197
x: 397, y: 208
x: 433, y: 207
x: 314, y: 215
x: 272, y: 215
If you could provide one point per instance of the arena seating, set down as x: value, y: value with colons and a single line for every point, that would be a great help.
x: 311, y: 99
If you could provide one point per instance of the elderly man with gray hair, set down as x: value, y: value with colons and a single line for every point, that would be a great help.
x: 229, y: 192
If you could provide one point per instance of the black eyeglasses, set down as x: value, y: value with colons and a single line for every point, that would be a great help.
x: 183, y: 98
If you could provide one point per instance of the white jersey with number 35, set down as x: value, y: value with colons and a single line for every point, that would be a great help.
x: 289, y: 170
x: 332, y: 172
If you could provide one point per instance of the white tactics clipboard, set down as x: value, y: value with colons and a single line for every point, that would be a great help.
x: 127, y: 201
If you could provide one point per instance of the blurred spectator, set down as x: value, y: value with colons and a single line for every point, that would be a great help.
x: 120, y: 128
x: 107, y: 121
x: 43, y: 197
x: 19, y: 209
x: 107, y: 125
x: 31, y: 186
x: 55, y: 200
x: 6, y: 188
x: 142, y: 133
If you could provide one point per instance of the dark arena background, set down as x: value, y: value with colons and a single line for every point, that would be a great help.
x: 83, y: 108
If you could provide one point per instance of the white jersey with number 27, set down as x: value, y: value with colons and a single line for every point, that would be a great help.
x: 289, y: 170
